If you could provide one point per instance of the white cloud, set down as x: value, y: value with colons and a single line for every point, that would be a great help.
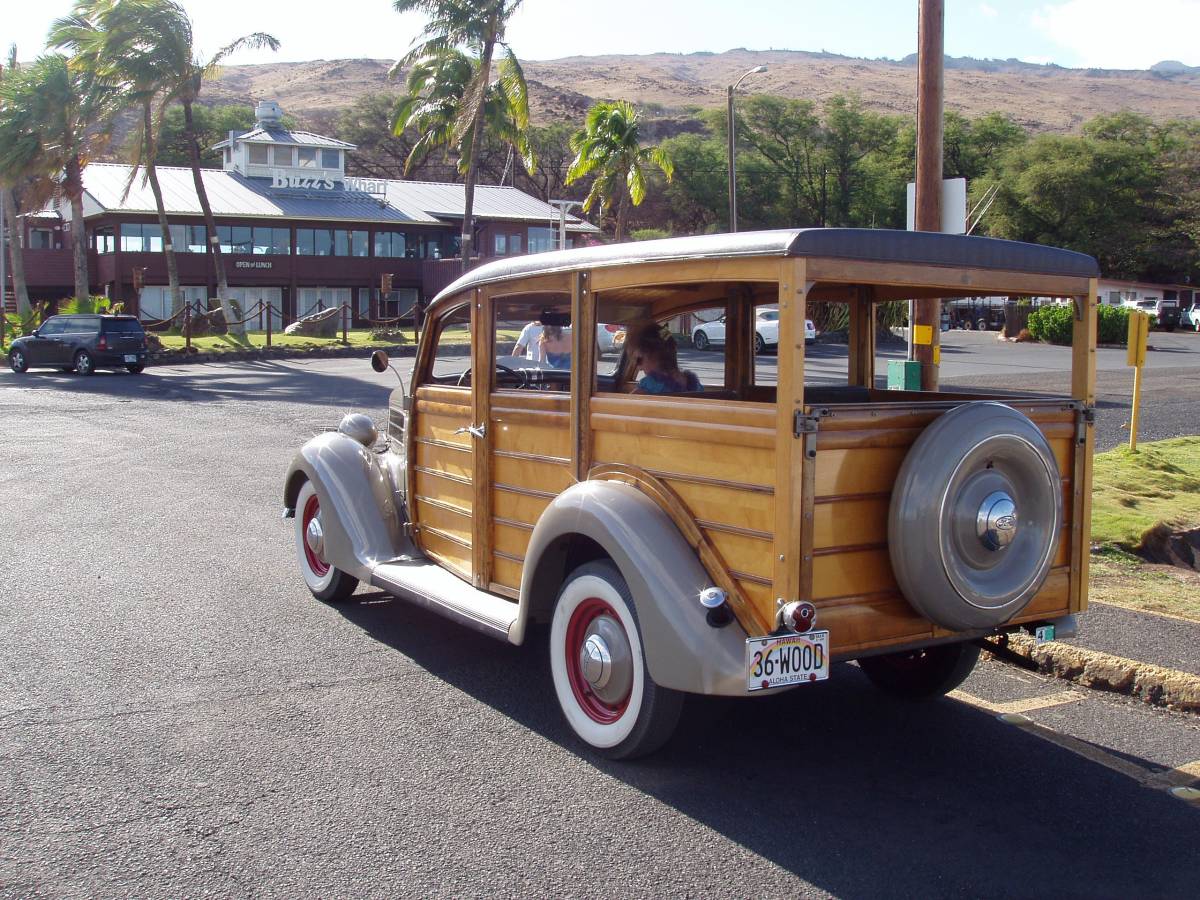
x: 1116, y: 34
x: 987, y: 11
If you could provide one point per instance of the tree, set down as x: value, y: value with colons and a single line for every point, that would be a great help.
x: 212, y: 125
x: 56, y: 118
x: 479, y: 27
x: 17, y: 165
x: 107, y: 42
x: 368, y: 124
x: 609, y: 148
x: 437, y: 88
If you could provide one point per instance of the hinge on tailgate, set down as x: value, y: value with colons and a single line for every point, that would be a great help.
x: 806, y: 427
x: 1084, y: 416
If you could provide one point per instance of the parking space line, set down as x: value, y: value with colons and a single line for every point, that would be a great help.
x: 1182, y: 776
x: 1082, y: 748
x: 1019, y: 706
x: 1182, y: 782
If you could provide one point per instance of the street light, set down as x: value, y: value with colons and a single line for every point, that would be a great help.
x: 564, y: 206
x: 733, y: 147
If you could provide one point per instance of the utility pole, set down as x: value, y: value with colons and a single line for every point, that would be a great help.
x: 928, y: 206
x: 732, y: 150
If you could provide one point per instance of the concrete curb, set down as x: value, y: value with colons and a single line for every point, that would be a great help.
x: 1151, y: 684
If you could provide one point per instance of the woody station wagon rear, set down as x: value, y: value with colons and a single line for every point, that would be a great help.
x: 734, y: 536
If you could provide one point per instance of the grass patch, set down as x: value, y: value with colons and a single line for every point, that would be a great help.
x: 1125, y: 580
x: 228, y: 343
x: 1133, y: 492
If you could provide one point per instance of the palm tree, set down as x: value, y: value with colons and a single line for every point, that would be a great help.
x: 478, y: 26
x: 60, y: 116
x: 436, y: 87
x: 609, y: 147
x: 164, y: 32
x: 119, y: 44
x: 16, y: 165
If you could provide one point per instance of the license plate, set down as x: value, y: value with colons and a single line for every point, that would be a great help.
x: 131, y: 357
x: 777, y: 661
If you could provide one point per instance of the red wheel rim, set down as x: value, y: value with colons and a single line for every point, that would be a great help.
x: 596, y: 709
x: 312, y: 508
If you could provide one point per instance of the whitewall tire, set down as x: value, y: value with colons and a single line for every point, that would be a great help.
x: 327, y: 583
x: 599, y: 668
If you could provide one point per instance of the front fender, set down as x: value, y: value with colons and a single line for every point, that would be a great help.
x: 663, y: 572
x: 363, y: 525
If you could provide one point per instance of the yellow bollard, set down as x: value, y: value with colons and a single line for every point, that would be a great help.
x: 1139, y: 327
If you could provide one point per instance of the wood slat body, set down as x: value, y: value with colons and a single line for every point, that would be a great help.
x: 860, y: 449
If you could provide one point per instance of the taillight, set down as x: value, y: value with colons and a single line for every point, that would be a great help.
x: 103, y: 345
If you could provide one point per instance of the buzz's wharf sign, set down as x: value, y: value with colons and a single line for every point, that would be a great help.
x: 285, y: 178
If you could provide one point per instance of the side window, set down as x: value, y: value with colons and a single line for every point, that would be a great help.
x: 655, y: 353
x: 452, y: 349
x: 533, y: 341
x: 51, y: 328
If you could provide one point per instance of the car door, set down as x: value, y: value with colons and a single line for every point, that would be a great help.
x: 41, y: 346
x: 442, y: 454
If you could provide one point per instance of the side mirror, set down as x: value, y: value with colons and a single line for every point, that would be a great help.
x: 379, y: 361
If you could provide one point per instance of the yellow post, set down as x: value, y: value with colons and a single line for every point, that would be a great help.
x: 1139, y: 323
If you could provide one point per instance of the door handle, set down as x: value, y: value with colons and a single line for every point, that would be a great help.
x: 477, y: 431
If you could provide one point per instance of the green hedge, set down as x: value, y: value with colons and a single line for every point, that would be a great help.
x: 1054, y: 324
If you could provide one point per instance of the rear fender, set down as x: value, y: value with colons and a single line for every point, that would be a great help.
x: 363, y: 523
x: 664, y: 574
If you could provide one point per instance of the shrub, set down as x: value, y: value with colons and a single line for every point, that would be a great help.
x: 1112, y: 324
x: 649, y: 234
x: 1052, y: 324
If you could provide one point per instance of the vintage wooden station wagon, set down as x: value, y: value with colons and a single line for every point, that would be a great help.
x: 734, y: 537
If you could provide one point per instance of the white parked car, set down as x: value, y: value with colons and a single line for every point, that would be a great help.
x: 766, y: 331
x: 610, y: 338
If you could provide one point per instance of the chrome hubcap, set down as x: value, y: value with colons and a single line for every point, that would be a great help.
x: 596, y: 662
x: 606, y: 661
x: 996, y: 521
x: 315, y: 537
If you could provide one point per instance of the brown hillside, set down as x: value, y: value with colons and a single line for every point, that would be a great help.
x: 1043, y: 98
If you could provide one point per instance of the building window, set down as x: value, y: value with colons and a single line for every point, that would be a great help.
x: 500, y: 244
x: 541, y: 240
x: 228, y: 154
x: 514, y: 243
x: 282, y: 156
x: 314, y: 242
x: 41, y: 239
x: 389, y: 244
x: 189, y: 238
x: 350, y: 243
x: 257, y: 154
x: 105, y: 241
x: 234, y: 238
x: 277, y: 241
x: 141, y: 238
x: 307, y: 157
x: 331, y: 159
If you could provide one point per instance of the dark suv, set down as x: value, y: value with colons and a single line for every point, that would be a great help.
x: 82, y: 343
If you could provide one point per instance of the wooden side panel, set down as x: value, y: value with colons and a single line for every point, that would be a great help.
x: 860, y: 450
x: 725, y: 487
x: 531, y: 447
x: 442, y: 476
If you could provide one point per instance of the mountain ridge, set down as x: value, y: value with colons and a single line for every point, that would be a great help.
x: 1041, y: 97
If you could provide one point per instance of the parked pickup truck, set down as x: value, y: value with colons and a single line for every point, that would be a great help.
x: 739, y: 532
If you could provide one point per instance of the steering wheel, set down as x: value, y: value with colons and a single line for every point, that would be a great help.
x: 518, y: 377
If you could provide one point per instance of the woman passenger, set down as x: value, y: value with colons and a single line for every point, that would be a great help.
x: 656, y: 356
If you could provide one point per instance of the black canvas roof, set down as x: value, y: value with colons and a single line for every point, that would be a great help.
x: 867, y: 244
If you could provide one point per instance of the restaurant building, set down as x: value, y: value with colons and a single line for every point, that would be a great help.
x: 293, y: 228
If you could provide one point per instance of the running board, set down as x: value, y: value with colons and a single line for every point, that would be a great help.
x: 429, y: 585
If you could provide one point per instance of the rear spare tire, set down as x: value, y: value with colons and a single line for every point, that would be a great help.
x: 975, y: 517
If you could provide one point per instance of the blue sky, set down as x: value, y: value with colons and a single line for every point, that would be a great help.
x: 1076, y: 33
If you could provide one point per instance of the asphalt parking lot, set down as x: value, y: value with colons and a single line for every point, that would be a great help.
x: 179, y: 717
